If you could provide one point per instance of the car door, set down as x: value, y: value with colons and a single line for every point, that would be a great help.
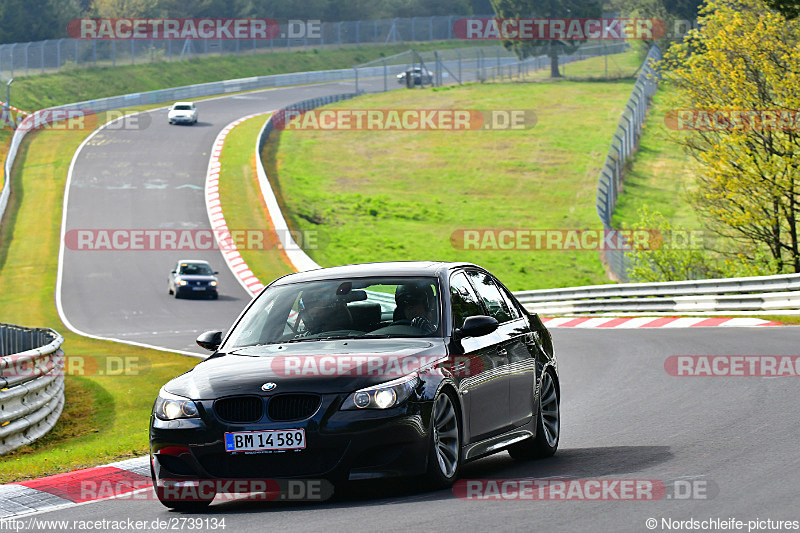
x: 485, y: 384
x: 513, y: 354
x: 523, y: 368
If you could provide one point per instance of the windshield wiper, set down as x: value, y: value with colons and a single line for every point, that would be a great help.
x: 329, y: 338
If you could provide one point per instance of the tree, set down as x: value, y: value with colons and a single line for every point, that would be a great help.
x: 738, y: 75
x: 553, y: 9
x: 678, y: 16
x: 788, y: 8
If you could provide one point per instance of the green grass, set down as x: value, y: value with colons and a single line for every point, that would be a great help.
x: 105, y: 417
x: 241, y: 200
x: 79, y: 84
x: 379, y: 196
x: 659, y: 174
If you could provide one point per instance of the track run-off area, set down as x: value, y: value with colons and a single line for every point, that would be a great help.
x: 723, y: 446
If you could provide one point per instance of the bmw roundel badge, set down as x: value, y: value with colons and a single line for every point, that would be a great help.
x: 266, y: 387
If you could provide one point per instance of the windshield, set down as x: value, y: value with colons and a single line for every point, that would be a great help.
x: 343, y: 308
x: 195, y: 269
x: 182, y: 108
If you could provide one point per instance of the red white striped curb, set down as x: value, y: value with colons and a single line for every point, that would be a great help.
x: 21, y: 111
x: 115, y: 480
x: 654, y: 322
x: 230, y: 253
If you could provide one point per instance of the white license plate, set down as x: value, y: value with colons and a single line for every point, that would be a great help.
x: 198, y: 288
x: 249, y: 441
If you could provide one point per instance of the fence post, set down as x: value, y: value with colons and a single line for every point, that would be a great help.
x: 27, y: 60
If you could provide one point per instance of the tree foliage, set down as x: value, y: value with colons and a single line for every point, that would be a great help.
x: 788, y: 8
x: 745, y: 57
x: 513, y: 9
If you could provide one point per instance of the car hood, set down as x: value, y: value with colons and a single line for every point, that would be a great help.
x: 180, y: 113
x: 340, y: 366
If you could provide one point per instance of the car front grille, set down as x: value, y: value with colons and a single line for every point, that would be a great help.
x: 239, y: 409
x: 287, y: 407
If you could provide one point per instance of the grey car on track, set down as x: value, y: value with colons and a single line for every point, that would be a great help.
x: 193, y: 277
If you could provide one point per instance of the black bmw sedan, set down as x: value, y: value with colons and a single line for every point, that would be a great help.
x: 360, y: 372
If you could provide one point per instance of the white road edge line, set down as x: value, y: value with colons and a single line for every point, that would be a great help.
x: 60, y: 275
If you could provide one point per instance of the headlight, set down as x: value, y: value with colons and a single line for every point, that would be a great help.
x: 181, y: 282
x: 382, y: 396
x: 213, y: 283
x: 171, y: 407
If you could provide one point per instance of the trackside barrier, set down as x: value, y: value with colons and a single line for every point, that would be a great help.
x: 757, y: 293
x: 624, y: 144
x: 299, y: 259
x: 31, y: 384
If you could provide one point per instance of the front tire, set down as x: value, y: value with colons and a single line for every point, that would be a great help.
x: 198, y: 504
x: 548, y: 425
x: 444, y: 456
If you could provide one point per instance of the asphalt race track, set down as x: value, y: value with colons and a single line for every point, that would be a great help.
x: 152, y: 178
x: 732, y: 440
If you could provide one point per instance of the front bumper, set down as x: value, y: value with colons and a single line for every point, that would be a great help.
x: 341, y: 445
x: 189, y: 290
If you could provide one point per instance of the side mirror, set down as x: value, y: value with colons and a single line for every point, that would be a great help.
x: 173, y: 272
x: 210, y: 340
x: 477, y: 326
x: 216, y: 272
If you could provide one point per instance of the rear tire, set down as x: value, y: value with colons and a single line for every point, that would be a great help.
x: 548, y: 425
x: 444, y: 456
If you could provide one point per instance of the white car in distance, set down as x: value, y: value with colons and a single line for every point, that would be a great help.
x: 182, y: 113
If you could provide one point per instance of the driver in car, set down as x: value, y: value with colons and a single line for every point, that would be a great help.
x: 416, y: 304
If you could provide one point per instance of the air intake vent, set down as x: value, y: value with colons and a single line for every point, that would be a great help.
x: 239, y: 409
x: 288, y: 407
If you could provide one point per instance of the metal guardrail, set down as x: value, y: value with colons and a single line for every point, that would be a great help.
x: 758, y: 293
x: 31, y: 384
x: 625, y: 142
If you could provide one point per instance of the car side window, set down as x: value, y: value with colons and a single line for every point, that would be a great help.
x: 515, y: 312
x: 490, y: 294
x: 463, y: 300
